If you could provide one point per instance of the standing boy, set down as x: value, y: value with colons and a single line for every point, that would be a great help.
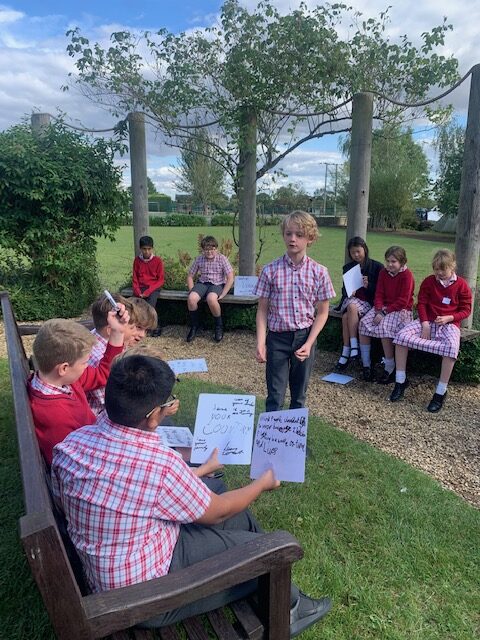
x: 293, y: 304
x: 148, y: 276
x: 215, y: 278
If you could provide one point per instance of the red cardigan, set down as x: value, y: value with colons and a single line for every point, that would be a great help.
x: 394, y: 293
x: 147, y: 276
x: 435, y: 300
x: 56, y: 416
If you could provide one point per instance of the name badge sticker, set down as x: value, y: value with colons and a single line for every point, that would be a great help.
x: 446, y: 300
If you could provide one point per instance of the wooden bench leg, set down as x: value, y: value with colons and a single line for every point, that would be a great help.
x: 274, y: 603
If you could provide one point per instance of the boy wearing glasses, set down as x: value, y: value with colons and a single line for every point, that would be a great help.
x: 135, y: 511
x: 215, y: 279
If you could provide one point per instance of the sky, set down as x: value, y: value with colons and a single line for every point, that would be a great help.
x: 34, y: 64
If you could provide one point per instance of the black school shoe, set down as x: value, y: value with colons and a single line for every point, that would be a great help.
x: 436, y: 403
x: 341, y: 366
x: 306, y: 612
x: 398, y: 391
x: 383, y: 377
x: 367, y: 374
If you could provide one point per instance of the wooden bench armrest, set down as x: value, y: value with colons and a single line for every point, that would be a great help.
x: 121, y: 608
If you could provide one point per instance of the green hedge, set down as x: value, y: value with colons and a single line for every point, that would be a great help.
x: 177, y: 220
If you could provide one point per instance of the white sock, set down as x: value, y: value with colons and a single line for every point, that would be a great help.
x: 345, y: 355
x: 365, y: 353
x: 441, y: 388
x: 389, y: 364
x: 400, y: 376
x: 354, y: 343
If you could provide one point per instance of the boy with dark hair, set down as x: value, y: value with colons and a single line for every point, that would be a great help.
x: 57, y: 389
x: 158, y: 516
x: 293, y: 305
x: 215, y: 278
x: 148, y: 275
x: 143, y: 318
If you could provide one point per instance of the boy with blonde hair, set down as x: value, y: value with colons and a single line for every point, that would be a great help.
x: 143, y: 318
x: 57, y: 389
x: 293, y: 305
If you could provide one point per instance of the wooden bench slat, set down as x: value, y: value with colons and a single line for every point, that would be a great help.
x: 222, y: 625
x: 195, y: 629
x: 168, y: 633
x: 248, y: 619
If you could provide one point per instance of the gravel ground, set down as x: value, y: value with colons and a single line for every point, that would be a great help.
x: 445, y: 445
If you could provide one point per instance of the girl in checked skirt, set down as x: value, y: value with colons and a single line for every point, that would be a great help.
x: 392, y: 310
x: 444, y: 300
x: 360, y: 302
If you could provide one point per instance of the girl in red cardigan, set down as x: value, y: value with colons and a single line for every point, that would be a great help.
x: 444, y: 300
x: 392, y: 310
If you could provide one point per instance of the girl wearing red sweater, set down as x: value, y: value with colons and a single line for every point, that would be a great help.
x: 392, y: 310
x: 444, y: 300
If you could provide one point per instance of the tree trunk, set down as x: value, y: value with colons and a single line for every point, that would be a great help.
x: 360, y: 161
x: 247, y: 191
x: 138, y: 171
x: 467, y: 243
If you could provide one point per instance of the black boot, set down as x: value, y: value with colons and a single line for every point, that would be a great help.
x: 193, y: 326
x: 218, y: 329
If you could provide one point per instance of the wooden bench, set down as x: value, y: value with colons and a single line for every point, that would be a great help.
x: 76, y: 614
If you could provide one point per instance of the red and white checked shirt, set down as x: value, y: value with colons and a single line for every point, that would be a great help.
x: 293, y: 291
x: 215, y: 270
x: 124, y: 496
x: 96, y: 398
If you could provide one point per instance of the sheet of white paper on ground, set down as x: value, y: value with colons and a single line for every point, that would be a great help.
x: 175, y: 436
x: 195, y: 365
x: 224, y: 421
x: 281, y: 444
x: 353, y: 279
x: 339, y: 378
x: 244, y: 285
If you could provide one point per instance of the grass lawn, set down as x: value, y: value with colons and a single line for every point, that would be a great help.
x: 116, y: 258
x: 398, y: 554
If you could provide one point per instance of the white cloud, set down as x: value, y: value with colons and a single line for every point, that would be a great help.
x: 8, y: 16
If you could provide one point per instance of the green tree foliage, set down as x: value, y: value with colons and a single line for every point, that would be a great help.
x: 260, y: 82
x: 274, y: 66
x: 150, y: 186
x: 399, y: 178
x: 450, y: 143
x: 199, y: 174
x: 58, y: 192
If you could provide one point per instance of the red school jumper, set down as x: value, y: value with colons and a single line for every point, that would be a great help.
x: 55, y: 416
x: 433, y: 296
x: 394, y: 293
x: 147, y: 273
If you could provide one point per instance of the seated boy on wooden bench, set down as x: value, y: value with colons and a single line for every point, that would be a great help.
x: 136, y: 511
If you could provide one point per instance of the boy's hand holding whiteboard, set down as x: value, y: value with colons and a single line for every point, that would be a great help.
x: 280, y: 444
x: 224, y: 421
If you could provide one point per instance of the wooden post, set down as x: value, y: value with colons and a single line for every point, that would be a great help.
x: 467, y: 242
x: 138, y: 171
x: 40, y: 121
x: 360, y: 161
x: 247, y: 192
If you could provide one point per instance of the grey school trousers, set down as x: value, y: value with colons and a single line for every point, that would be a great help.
x: 283, y: 368
x: 197, y: 542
